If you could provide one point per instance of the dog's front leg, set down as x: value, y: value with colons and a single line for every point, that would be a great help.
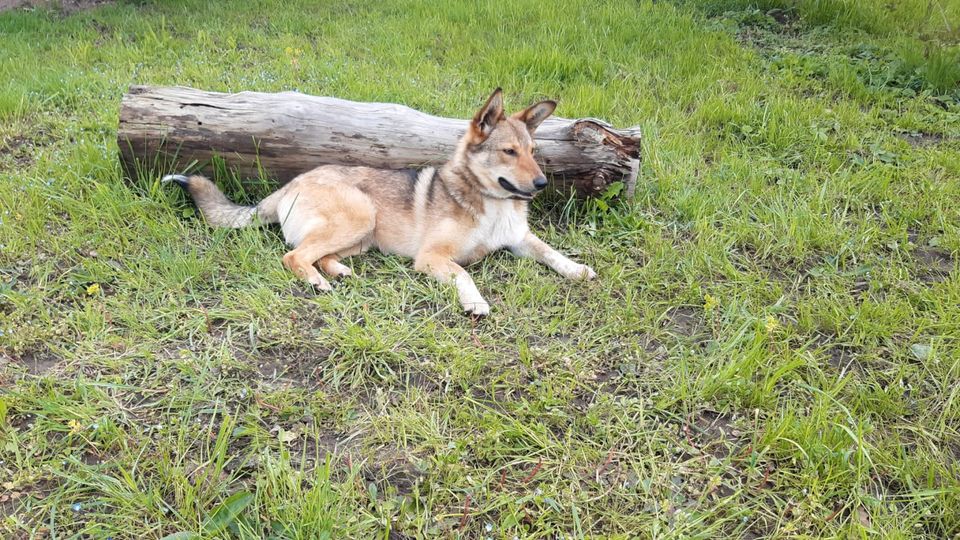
x: 440, y: 265
x: 535, y: 248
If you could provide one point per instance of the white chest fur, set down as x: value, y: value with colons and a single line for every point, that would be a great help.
x: 503, y: 223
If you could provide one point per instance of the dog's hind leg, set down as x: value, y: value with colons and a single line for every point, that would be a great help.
x: 321, y: 246
x: 332, y: 266
x: 300, y: 262
x: 327, y: 222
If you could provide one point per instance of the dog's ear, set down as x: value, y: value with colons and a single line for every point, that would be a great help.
x: 533, y: 115
x: 487, y: 117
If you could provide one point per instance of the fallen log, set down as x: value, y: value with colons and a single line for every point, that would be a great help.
x: 284, y: 134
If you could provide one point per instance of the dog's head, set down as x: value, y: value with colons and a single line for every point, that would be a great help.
x: 498, y: 149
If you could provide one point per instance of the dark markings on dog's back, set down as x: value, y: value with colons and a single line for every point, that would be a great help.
x: 410, y: 175
x: 410, y: 184
x: 432, y: 185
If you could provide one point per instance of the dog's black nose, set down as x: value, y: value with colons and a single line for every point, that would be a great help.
x: 540, y: 182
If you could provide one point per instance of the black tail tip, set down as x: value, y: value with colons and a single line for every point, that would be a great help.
x: 181, y: 180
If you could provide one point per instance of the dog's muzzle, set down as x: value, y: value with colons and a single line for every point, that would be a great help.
x: 505, y: 184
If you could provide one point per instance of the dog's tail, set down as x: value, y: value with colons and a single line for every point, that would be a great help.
x: 218, y: 210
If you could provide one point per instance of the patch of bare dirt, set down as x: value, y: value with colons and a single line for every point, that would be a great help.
x: 840, y: 356
x: 860, y: 287
x: 18, y: 149
x: 8, y: 507
x: 313, y: 450
x: 91, y: 459
x: 420, y: 380
x: 757, y: 30
x: 786, y: 272
x: 622, y: 376
x: 920, y: 139
x: 389, y: 467
x: 683, y: 321
x: 37, y: 362
x: 392, y: 468
x: 783, y: 16
x: 933, y: 264
x: 284, y: 366
x: 715, y: 433
x: 13, y: 500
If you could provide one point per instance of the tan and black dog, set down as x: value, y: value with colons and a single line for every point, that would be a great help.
x: 444, y: 219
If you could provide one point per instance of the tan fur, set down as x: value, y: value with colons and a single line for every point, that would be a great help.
x: 444, y: 219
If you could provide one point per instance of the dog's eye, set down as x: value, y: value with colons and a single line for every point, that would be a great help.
x: 509, y: 151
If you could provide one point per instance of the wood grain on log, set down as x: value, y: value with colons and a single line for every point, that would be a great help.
x: 288, y: 133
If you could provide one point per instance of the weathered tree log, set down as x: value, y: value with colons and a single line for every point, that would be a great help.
x: 288, y: 133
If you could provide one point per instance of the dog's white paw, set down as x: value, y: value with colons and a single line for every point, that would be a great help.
x: 337, y: 270
x: 477, y: 309
x: 321, y: 285
x: 580, y: 271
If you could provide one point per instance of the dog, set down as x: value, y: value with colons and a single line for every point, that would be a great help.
x: 443, y: 218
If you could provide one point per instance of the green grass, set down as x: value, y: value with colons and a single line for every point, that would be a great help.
x: 925, y: 18
x: 772, y: 348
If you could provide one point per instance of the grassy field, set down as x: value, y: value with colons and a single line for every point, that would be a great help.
x: 771, y: 350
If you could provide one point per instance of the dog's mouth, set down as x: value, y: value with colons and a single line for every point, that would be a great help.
x: 519, y: 194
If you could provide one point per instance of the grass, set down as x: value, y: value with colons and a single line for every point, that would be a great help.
x: 772, y: 348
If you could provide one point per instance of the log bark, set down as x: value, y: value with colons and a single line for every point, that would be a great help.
x: 281, y: 135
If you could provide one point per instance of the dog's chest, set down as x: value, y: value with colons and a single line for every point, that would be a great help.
x: 502, y: 224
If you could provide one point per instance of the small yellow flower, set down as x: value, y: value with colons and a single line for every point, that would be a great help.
x: 93, y: 289
x: 75, y: 426
x: 288, y: 50
x: 710, y: 302
x: 771, y: 324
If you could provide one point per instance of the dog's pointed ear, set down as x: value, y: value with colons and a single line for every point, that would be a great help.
x: 487, y: 117
x: 533, y: 115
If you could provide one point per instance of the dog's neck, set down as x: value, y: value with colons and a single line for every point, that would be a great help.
x: 465, y: 188
x: 462, y: 186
